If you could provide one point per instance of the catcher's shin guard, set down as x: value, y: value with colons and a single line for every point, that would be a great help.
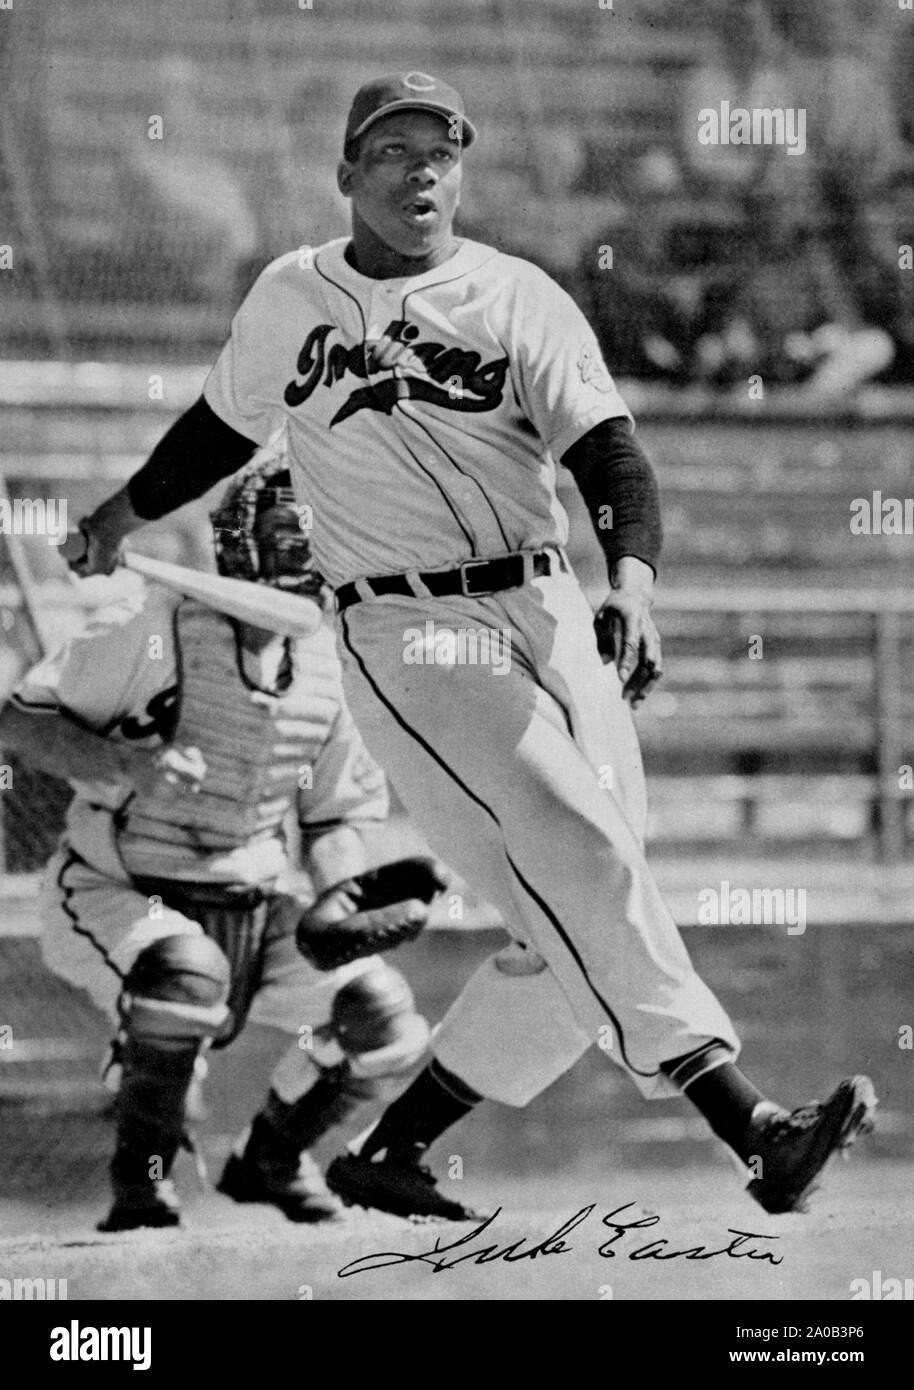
x: 174, y: 999
x: 150, y: 1127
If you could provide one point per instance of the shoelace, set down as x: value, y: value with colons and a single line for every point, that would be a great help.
x: 798, y: 1120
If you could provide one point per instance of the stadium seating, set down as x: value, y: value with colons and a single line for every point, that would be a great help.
x: 754, y: 496
x: 87, y: 79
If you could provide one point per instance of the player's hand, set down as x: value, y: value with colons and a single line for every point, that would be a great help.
x: 90, y: 551
x: 181, y: 770
x: 627, y: 634
x: 95, y: 548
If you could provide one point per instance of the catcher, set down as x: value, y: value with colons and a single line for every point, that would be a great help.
x: 187, y: 738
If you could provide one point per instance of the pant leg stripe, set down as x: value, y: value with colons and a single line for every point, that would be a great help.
x: 528, y: 887
x: 699, y: 1063
x: 71, y: 859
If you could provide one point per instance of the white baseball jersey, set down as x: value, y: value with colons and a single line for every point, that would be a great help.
x: 424, y: 415
x: 119, y: 677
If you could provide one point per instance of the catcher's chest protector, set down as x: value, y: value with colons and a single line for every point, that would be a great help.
x: 254, y: 752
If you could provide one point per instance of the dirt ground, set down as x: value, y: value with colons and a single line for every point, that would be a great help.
x: 854, y: 1230
x: 810, y: 1009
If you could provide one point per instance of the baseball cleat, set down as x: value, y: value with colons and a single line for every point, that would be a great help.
x: 266, y: 1173
x: 403, y: 1187
x: 794, y: 1146
x: 153, y: 1203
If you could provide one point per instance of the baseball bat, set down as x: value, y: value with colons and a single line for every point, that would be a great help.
x: 291, y: 615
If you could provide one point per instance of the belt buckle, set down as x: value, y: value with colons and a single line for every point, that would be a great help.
x: 464, y: 582
x: 518, y: 562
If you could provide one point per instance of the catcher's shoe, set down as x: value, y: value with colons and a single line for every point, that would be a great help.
x: 794, y: 1146
x: 271, y: 1171
x: 397, y: 1184
x: 152, y: 1202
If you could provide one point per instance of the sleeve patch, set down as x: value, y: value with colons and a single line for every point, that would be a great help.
x: 592, y: 370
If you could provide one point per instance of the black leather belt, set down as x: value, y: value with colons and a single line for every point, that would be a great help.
x: 473, y: 579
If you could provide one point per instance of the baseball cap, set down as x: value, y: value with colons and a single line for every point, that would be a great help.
x: 407, y: 91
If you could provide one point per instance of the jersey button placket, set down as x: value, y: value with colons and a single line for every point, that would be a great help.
x: 377, y: 317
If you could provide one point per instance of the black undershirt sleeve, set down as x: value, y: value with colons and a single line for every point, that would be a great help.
x: 612, y: 470
x: 195, y: 454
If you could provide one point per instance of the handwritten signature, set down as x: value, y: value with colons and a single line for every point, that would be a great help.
x: 440, y: 1258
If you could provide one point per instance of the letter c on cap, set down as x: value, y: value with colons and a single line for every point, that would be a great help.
x: 419, y: 82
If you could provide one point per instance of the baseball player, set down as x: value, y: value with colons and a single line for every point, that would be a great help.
x: 188, y: 737
x: 430, y: 385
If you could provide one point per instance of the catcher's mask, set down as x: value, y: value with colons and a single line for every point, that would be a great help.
x: 258, y: 534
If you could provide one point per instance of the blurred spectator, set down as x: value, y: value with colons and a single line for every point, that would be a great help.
x: 668, y: 256
x: 840, y: 57
x: 744, y: 65
x: 545, y: 212
x: 806, y: 307
x: 304, y: 206
x: 784, y: 319
x: 186, y: 219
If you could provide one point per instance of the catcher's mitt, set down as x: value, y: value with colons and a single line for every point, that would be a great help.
x: 371, y: 912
